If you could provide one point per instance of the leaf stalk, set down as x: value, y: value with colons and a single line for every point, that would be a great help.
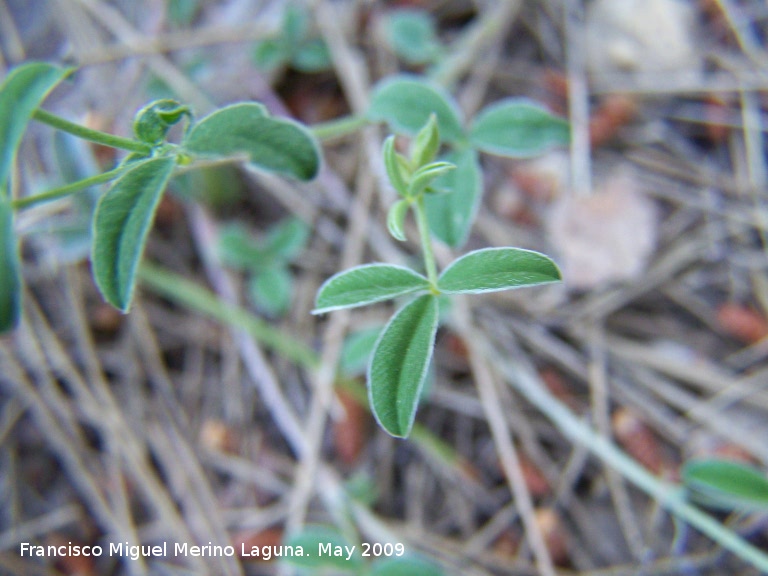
x: 90, y: 134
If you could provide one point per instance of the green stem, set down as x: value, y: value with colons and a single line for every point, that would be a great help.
x: 426, y: 241
x: 338, y: 127
x: 67, y: 189
x: 670, y: 496
x: 188, y: 293
x: 89, y: 134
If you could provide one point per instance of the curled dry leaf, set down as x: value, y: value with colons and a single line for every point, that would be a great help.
x: 743, y: 323
x: 638, y: 440
x: 642, y: 36
x: 614, y: 112
x: 543, y: 178
x: 248, y: 540
x: 350, y: 431
x: 537, y: 483
x: 606, y: 237
x: 72, y: 565
x: 217, y: 435
x: 560, y: 389
x: 552, y: 530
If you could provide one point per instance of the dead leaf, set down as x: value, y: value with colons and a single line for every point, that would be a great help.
x: 606, y: 237
x: 641, y: 36
x: 743, y: 323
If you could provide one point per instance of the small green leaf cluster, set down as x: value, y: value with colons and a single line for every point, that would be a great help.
x: 413, y: 177
x: 513, y: 128
x: 125, y: 212
x: 270, y: 284
x: 294, y: 46
x: 725, y: 485
x: 411, y: 33
x: 338, y: 555
x: 403, y: 350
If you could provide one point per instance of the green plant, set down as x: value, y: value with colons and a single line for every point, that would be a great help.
x: 270, y: 285
x: 513, y: 128
x: 725, y: 485
x: 412, y: 35
x: 402, y: 354
x: 294, y: 45
x: 124, y: 213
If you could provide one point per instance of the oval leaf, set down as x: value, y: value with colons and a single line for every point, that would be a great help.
x: 20, y: 94
x: 494, y: 269
x: 406, y: 103
x: 518, y: 128
x: 399, y: 365
x: 320, y: 546
x: 413, y: 566
x: 451, y: 215
x: 271, y: 290
x: 367, y: 284
x: 287, y: 239
x: 273, y: 144
x: 312, y: 56
x: 412, y: 35
x: 120, y: 227
x: 10, y: 280
x: 726, y: 485
x: 357, y: 350
x: 238, y: 249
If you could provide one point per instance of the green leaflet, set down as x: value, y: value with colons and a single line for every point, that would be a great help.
x: 269, y: 54
x: 313, y: 540
x: 312, y: 56
x: 726, y: 485
x: 399, y: 365
x: 273, y: 144
x: 287, y: 239
x: 20, y: 94
x: 357, y: 350
x: 518, y: 128
x: 412, y: 36
x: 406, y: 103
x: 412, y: 566
x: 10, y: 277
x: 121, y: 224
x: 367, y: 284
x: 451, y: 215
x: 271, y: 290
x: 493, y: 269
x: 238, y: 249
